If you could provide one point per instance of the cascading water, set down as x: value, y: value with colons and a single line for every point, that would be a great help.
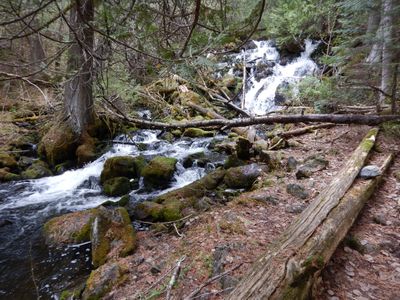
x: 26, y: 205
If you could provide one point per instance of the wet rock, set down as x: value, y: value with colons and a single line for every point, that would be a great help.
x: 6, y: 175
x: 371, y: 171
x: 250, y: 45
x: 281, y: 93
x: 159, y: 171
x: 233, y: 161
x: 200, y: 159
x: 8, y: 161
x: 25, y: 161
x: 122, y: 166
x: 291, y: 164
x: 5, y: 222
x: 58, y: 145
x: 86, y: 152
x: 242, y: 177
x: 70, y: 228
x: 297, y: 191
x: 197, y: 132
x: 311, y: 165
x: 112, y: 235
x: 243, y: 147
x: 38, y: 169
x: 61, y: 168
x: 296, y: 208
x: 227, y: 147
x: 263, y: 70
x: 103, y: 279
x: 117, y: 186
x: 148, y: 210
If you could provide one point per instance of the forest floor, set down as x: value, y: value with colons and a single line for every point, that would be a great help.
x: 233, y: 235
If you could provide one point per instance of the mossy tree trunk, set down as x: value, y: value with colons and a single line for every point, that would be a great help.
x: 78, y: 98
x: 291, y: 264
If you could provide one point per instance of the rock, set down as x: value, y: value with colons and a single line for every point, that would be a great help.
x: 233, y: 161
x: 242, y: 177
x: 103, y: 279
x: 8, y: 161
x: 250, y: 45
x: 370, y: 171
x: 38, y: 169
x: 278, y: 143
x: 281, y: 93
x: 263, y: 70
x: 265, y: 197
x: 197, y: 132
x: 296, y: 208
x: 61, y: 168
x: 159, y: 171
x: 58, y: 145
x: 243, y: 147
x: 200, y: 159
x: 72, y: 294
x: 86, y: 151
x: 380, y: 219
x: 6, y: 175
x: 271, y: 158
x: 148, y: 210
x: 117, y: 186
x: 70, y: 228
x: 291, y: 164
x: 112, y: 235
x: 311, y: 165
x: 260, y: 145
x: 297, y: 191
x: 25, y: 161
x: 5, y: 222
x: 124, y: 201
x: 122, y: 166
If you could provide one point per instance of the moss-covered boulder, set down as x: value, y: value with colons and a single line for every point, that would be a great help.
x: 242, y: 177
x: 58, y: 145
x: 70, y: 228
x: 6, y: 175
x: 122, y: 166
x: 112, y: 235
x: 103, y: 279
x: 8, y: 161
x: 148, y: 210
x: 159, y: 171
x: 243, y: 147
x: 117, y: 186
x: 233, y: 161
x: 197, y: 132
x: 38, y: 169
x: 199, y: 158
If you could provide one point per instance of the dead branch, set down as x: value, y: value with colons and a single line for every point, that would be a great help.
x: 304, y: 130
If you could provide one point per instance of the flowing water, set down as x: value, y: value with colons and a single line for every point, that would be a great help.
x: 29, y: 269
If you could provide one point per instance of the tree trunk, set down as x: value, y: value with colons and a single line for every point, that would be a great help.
x: 288, y: 269
x: 78, y: 98
x: 387, y: 49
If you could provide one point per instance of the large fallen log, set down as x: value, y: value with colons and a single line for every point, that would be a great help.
x: 285, y: 119
x: 288, y: 269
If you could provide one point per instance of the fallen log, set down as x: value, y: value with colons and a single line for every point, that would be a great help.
x: 291, y: 264
x: 304, y: 130
x: 282, y: 119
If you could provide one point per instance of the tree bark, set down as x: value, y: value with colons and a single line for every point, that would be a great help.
x: 289, y: 268
x: 78, y: 98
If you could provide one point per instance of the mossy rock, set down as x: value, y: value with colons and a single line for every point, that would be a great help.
x: 159, y: 171
x: 112, y: 235
x: 122, y: 166
x: 199, y: 157
x: 243, y: 147
x: 72, y: 294
x: 86, y: 151
x: 58, y: 145
x: 8, y: 161
x: 70, y: 228
x: 116, y: 186
x: 172, y: 210
x: 103, y: 279
x: 242, y: 177
x: 61, y: 168
x: 38, y: 169
x: 6, y: 175
x: 197, y: 132
x: 233, y: 161
x: 148, y: 210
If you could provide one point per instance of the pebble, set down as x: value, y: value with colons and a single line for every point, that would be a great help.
x: 357, y: 292
x: 331, y: 293
x: 368, y: 258
x: 347, y: 250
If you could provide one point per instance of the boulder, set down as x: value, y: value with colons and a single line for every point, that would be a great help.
x: 112, y: 235
x: 159, y: 171
x: 233, y: 161
x: 6, y: 175
x: 103, y: 279
x: 38, y: 169
x: 117, y: 186
x: 8, y: 161
x: 86, y: 151
x: 297, y: 191
x: 242, y: 177
x: 370, y: 171
x: 311, y: 165
x: 199, y: 157
x: 58, y: 145
x: 271, y: 158
x: 25, y: 161
x: 122, y: 166
x: 243, y: 147
x: 70, y: 228
x: 148, y: 210
x: 197, y: 132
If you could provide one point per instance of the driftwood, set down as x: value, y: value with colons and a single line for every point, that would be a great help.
x: 289, y: 267
x: 304, y: 130
x: 284, y: 119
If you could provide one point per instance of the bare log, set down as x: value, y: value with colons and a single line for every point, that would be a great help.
x: 291, y: 264
x: 282, y: 119
x: 305, y: 130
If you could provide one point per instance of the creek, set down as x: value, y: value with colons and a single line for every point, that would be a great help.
x: 29, y: 269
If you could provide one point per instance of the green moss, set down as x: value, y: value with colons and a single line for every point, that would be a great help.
x: 197, y: 132
x: 6, y: 176
x: 38, y: 169
x: 353, y: 243
x: 7, y: 161
x: 391, y: 128
x: 159, y: 171
x: 83, y: 234
x: 117, y: 186
x: 120, y: 166
x: 172, y: 210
